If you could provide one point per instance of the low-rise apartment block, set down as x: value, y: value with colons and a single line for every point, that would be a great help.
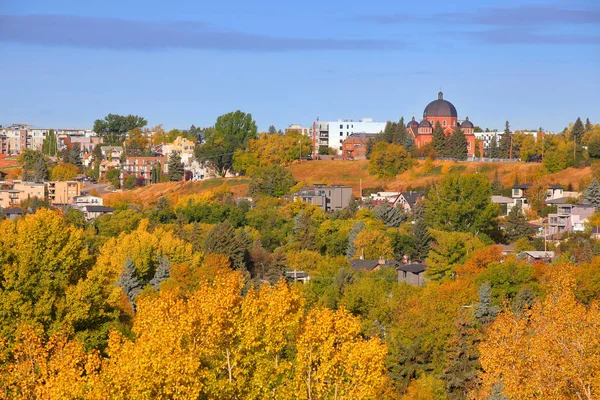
x: 13, y: 193
x: 63, y: 193
x: 569, y: 218
x: 328, y: 198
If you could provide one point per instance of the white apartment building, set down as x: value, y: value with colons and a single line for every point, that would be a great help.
x: 332, y: 134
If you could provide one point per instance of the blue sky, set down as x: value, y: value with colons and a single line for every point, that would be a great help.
x: 66, y: 63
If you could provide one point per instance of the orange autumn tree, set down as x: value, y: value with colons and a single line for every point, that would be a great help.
x: 553, y: 352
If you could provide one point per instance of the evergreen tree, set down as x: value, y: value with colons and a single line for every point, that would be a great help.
x: 505, y: 142
x: 163, y: 272
x: 588, y: 125
x: 577, y: 131
x: 421, y: 235
x: 75, y: 155
x: 222, y: 239
x: 516, y: 225
x: 304, y: 232
x: 49, y: 147
x: 484, y: 311
x: 391, y: 216
x: 272, y: 130
x: 351, y: 248
x: 401, y: 130
x: 40, y: 170
x: 175, y: 167
x: 458, y: 144
x: 493, y: 148
x: 497, y: 393
x: 496, y: 184
x: 462, y: 368
x: 438, y: 140
x: 591, y: 195
x: 129, y: 282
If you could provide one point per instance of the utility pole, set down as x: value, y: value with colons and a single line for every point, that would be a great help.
x: 510, y: 151
x: 300, y: 156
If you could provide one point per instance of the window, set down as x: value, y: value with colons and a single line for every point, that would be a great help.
x: 341, y: 140
x: 444, y: 123
x: 341, y: 133
x: 347, y: 126
x: 341, y: 126
x: 404, y: 273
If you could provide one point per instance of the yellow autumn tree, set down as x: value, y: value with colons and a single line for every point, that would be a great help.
x: 553, y: 352
x: 372, y: 245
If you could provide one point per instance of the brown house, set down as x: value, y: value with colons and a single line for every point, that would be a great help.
x: 355, y: 146
x: 413, y: 274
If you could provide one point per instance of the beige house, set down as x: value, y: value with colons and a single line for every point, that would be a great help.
x: 15, y: 192
x: 181, y: 145
x: 61, y: 193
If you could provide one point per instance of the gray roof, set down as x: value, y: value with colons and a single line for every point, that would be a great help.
x: 466, y: 123
x: 96, y: 209
x: 502, y: 200
x: 369, y: 265
x: 412, y: 197
x: 14, y: 210
x: 425, y: 123
x: 441, y: 108
x: 416, y: 268
x: 412, y: 123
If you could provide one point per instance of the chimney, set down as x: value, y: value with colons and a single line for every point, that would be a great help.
x: 381, y: 260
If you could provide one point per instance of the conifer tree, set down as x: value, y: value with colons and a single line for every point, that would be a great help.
x: 591, y: 195
x: 505, y: 142
x: 496, y: 184
x: 484, y: 311
x: 272, y: 129
x: 40, y: 170
x: 462, y: 368
x: 222, y: 239
x: 175, y: 167
x: 493, y: 148
x: 421, y: 235
x: 516, y: 225
x: 588, y: 125
x: 438, y: 140
x: 357, y: 227
x: 74, y: 155
x: 129, y: 282
x: 577, y: 131
x: 391, y: 216
x: 401, y: 132
x: 163, y: 272
x: 458, y: 144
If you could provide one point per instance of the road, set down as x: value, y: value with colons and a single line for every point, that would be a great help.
x: 101, y: 188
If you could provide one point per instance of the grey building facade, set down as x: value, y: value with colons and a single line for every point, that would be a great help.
x: 328, y: 198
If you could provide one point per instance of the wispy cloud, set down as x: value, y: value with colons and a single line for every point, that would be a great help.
x: 122, y: 34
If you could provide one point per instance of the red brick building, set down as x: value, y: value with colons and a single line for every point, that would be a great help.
x: 354, y: 146
x: 445, y: 113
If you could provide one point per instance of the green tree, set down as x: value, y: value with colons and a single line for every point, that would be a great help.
x: 505, y: 142
x: 496, y: 185
x: 49, y: 147
x: 588, y: 125
x: 493, y: 151
x: 458, y: 144
x: 40, y: 172
x: 222, y: 239
x: 484, y: 311
x: 357, y: 227
x: 129, y: 182
x: 29, y: 160
x: 449, y: 250
x: 516, y: 225
x: 462, y: 368
x: 577, y: 131
x: 391, y: 216
x: 462, y: 202
x: 421, y: 236
x: 438, y: 140
x: 388, y: 160
x: 129, y: 282
x: 113, y: 176
x: 75, y: 155
x: 272, y: 130
x: 175, y: 167
x: 113, y: 128
x: 591, y: 195
x: 231, y: 132
x: 273, y: 180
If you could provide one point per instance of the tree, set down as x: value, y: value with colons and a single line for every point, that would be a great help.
x: 272, y: 130
x: 484, y: 311
x: 493, y: 148
x: 420, y: 233
x: 357, y: 227
x: 462, y: 203
x: 577, y: 131
x: 550, y: 352
x: 29, y: 159
x: 496, y: 185
x: 462, y: 368
x: 505, y: 142
x: 175, y: 167
x: 449, y: 250
x: 129, y: 282
x: 588, y: 125
x: 438, y: 140
x: 388, y: 160
x: 372, y: 245
x: 231, y: 132
x: 137, y: 143
x: 64, y: 172
x: 113, y: 128
x: 163, y: 272
x: 75, y: 156
x: 273, y: 180
x: 222, y: 239
x: 458, y: 144
x: 40, y: 172
x: 391, y: 216
x: 516, y: 226
x: 591, y: 195
x: 50, y: 145
x: 536, y: 196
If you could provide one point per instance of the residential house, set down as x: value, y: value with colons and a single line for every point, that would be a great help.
x: 112, y: 152
x: 14, y: 213
x: 595, y: 232
x: 372, y: 265
x: 503, y: 202
x: 87, y: 200
x: 412, y: 274
x: 142, y: 166
x: 106, y: 165
x: 91, y: 212
x: 297, y: 276
x: 182, y: 146
x: 63, y: 193
x: 354, y: 147
x: 408, y: 200
x: 537, y: 256
x: 569, y: 218
x: 520, y: 194
x: 328, y: 198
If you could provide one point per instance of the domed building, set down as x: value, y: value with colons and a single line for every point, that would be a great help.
x: 445, y: 113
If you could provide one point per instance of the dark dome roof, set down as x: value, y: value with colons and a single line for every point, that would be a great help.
x: 466, y: 124
x: 412, y: 122
x: 441, y: 108
x: 425, y: 124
